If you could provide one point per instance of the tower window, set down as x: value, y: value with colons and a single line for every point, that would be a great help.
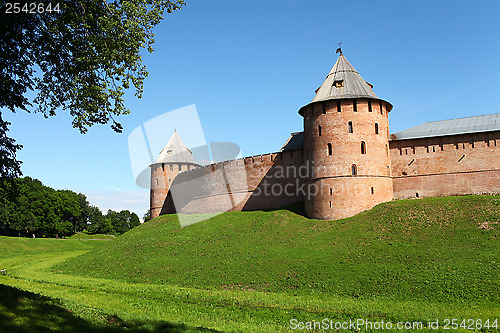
x: 319, y: 130
x: 381, y: 111
x: 163, y: 166
x: 370, y: 106
x: 354, y: 105
x: 156, y: 181
x: 363, y: 147
x: 376, y: 128
x: 338, y: 83
x: 169, y: 180
x: 330, y: 152
x: 349, y: 124
x: 171, y: 167
x: 180, y: 167
x: 331, y: 191
x: 354, y: 170
x: 338, y: 106
x: 324, y: 108
x: 373, y: 190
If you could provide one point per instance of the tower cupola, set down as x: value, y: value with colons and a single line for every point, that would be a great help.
x: 343, y: 82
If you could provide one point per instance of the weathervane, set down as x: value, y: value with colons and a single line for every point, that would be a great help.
x: 339, y: 50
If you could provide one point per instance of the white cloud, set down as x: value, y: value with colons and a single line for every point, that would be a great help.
x: 118, y: 199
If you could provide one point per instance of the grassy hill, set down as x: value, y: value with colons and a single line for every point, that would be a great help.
x: 83, y: 236
x: 404, y: 261
x: 437, y: 249
x: 20, y: 246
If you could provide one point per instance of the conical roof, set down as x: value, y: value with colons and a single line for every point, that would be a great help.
x: 344, y: 82
x: 175, y: 151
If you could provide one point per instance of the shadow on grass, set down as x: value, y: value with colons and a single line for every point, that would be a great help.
x: 26, y: 312
x: 297, y: 208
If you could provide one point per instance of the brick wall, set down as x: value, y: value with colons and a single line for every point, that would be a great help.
x: 257, y: 182
x: 333, y: 140
x: 162, y: 176
x: 451, y: 165
x: 448, y: 165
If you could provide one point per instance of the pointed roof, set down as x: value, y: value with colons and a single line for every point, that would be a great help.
x: 344, y: 82
x: 175, y: 151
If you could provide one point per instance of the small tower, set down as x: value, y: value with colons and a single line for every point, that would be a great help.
x: 346, y: 133
x: 173, y: 159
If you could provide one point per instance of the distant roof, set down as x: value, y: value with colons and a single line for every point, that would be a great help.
x: 343, y: 81
x: 294, y: 142
x: 486, y: 123
x: 175, y: 151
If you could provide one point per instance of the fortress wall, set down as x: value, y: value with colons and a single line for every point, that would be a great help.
x: 448, y: 165
x: 257, y: 182
x: 162, y: 175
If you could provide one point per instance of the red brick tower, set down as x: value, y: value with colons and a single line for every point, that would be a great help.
x: 346, y: 132
x: 173, y: 159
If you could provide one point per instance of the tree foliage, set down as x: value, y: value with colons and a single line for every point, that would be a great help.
x: 10, y: 167
x: 147, y: 216
x: 79, y: 60
x: 27, y: 208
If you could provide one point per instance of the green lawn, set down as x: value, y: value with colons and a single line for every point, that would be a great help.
x: 408, y: 260
x: 83, y: 236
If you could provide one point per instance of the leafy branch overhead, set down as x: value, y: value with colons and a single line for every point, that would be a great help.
x: 81, y: 59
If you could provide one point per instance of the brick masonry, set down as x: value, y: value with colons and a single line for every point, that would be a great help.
x: 438, y: 166
x: 348, y: 164
x: 162, y: 176
x: 448, y: 165
x: 347, y: 142
x: 397, y: 169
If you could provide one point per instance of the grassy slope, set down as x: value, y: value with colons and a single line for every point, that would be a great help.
x: 75, y: 304
x: 16, y: 246
x: 430, y: 249
x: 83, y: 236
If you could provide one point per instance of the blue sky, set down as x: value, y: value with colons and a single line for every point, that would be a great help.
x: 249, y: 65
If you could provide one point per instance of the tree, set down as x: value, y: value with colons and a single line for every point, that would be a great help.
x: 147, y: 216
x: 79, y: 59
x: 10, y: 167
x: 122, y: 221
x: 43, y: 211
